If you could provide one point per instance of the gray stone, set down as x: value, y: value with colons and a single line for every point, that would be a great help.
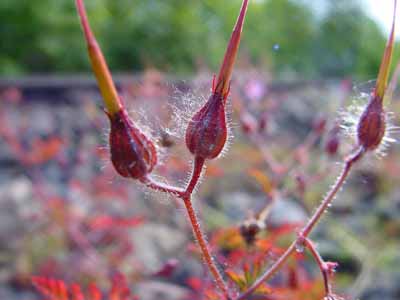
x: 286, y: 211
x: 152, y: 290
x: 153, y: 242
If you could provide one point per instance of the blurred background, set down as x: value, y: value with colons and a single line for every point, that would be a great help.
x: 304, y: 69
x: 312, y: 38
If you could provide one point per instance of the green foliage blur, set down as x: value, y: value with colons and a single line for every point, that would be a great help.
x: 180, y: 36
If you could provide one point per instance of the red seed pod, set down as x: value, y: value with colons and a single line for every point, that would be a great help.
x: 207, y: 132
x: 132, y: 153
x: 372, y: 124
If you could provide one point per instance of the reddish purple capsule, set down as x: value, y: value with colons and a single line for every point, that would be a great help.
x: 372, y: 125
x: 207, y: 132
x: 132, y: 153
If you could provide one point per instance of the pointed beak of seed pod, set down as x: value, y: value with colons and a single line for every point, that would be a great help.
x: 99, y: 65
x: 384, y: 69
x: 207, y: 132
x: 133, y: 154
x: 371, y: 127
x: 222, y: 85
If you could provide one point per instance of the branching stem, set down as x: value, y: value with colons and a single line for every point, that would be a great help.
x: 162, y: 187
x: 186, y: 196
x: 349, y: 162
x: 326, y: 268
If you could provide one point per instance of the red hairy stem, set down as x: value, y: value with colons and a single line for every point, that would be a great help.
x: 198, y: 165
x: 162, y: 187
x: 185, y: 195
x: 327, y: 268
x: 356, y: 156
x: 204, y: 247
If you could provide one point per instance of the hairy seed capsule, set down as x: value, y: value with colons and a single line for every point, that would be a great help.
x: 132, y: 153
x: 371, y: 127
x: 207, y: 132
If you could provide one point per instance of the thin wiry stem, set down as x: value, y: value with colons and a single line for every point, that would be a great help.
x: 309, y: 226
x: 201, y: 240
x: 162, y: 187
x: 186, y: 196
x: 197, y: 169
x: 326, y: 268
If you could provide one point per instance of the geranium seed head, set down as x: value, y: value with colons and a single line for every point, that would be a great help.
x: 133, y: 154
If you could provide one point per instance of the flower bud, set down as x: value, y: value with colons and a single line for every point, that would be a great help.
x: 132, y: 153
x: 207, y: 132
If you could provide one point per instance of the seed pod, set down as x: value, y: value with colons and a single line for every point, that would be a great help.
x: 372, y: 124
x: 371, y: 127
x: 132, y: 153
x: 207, y: 132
